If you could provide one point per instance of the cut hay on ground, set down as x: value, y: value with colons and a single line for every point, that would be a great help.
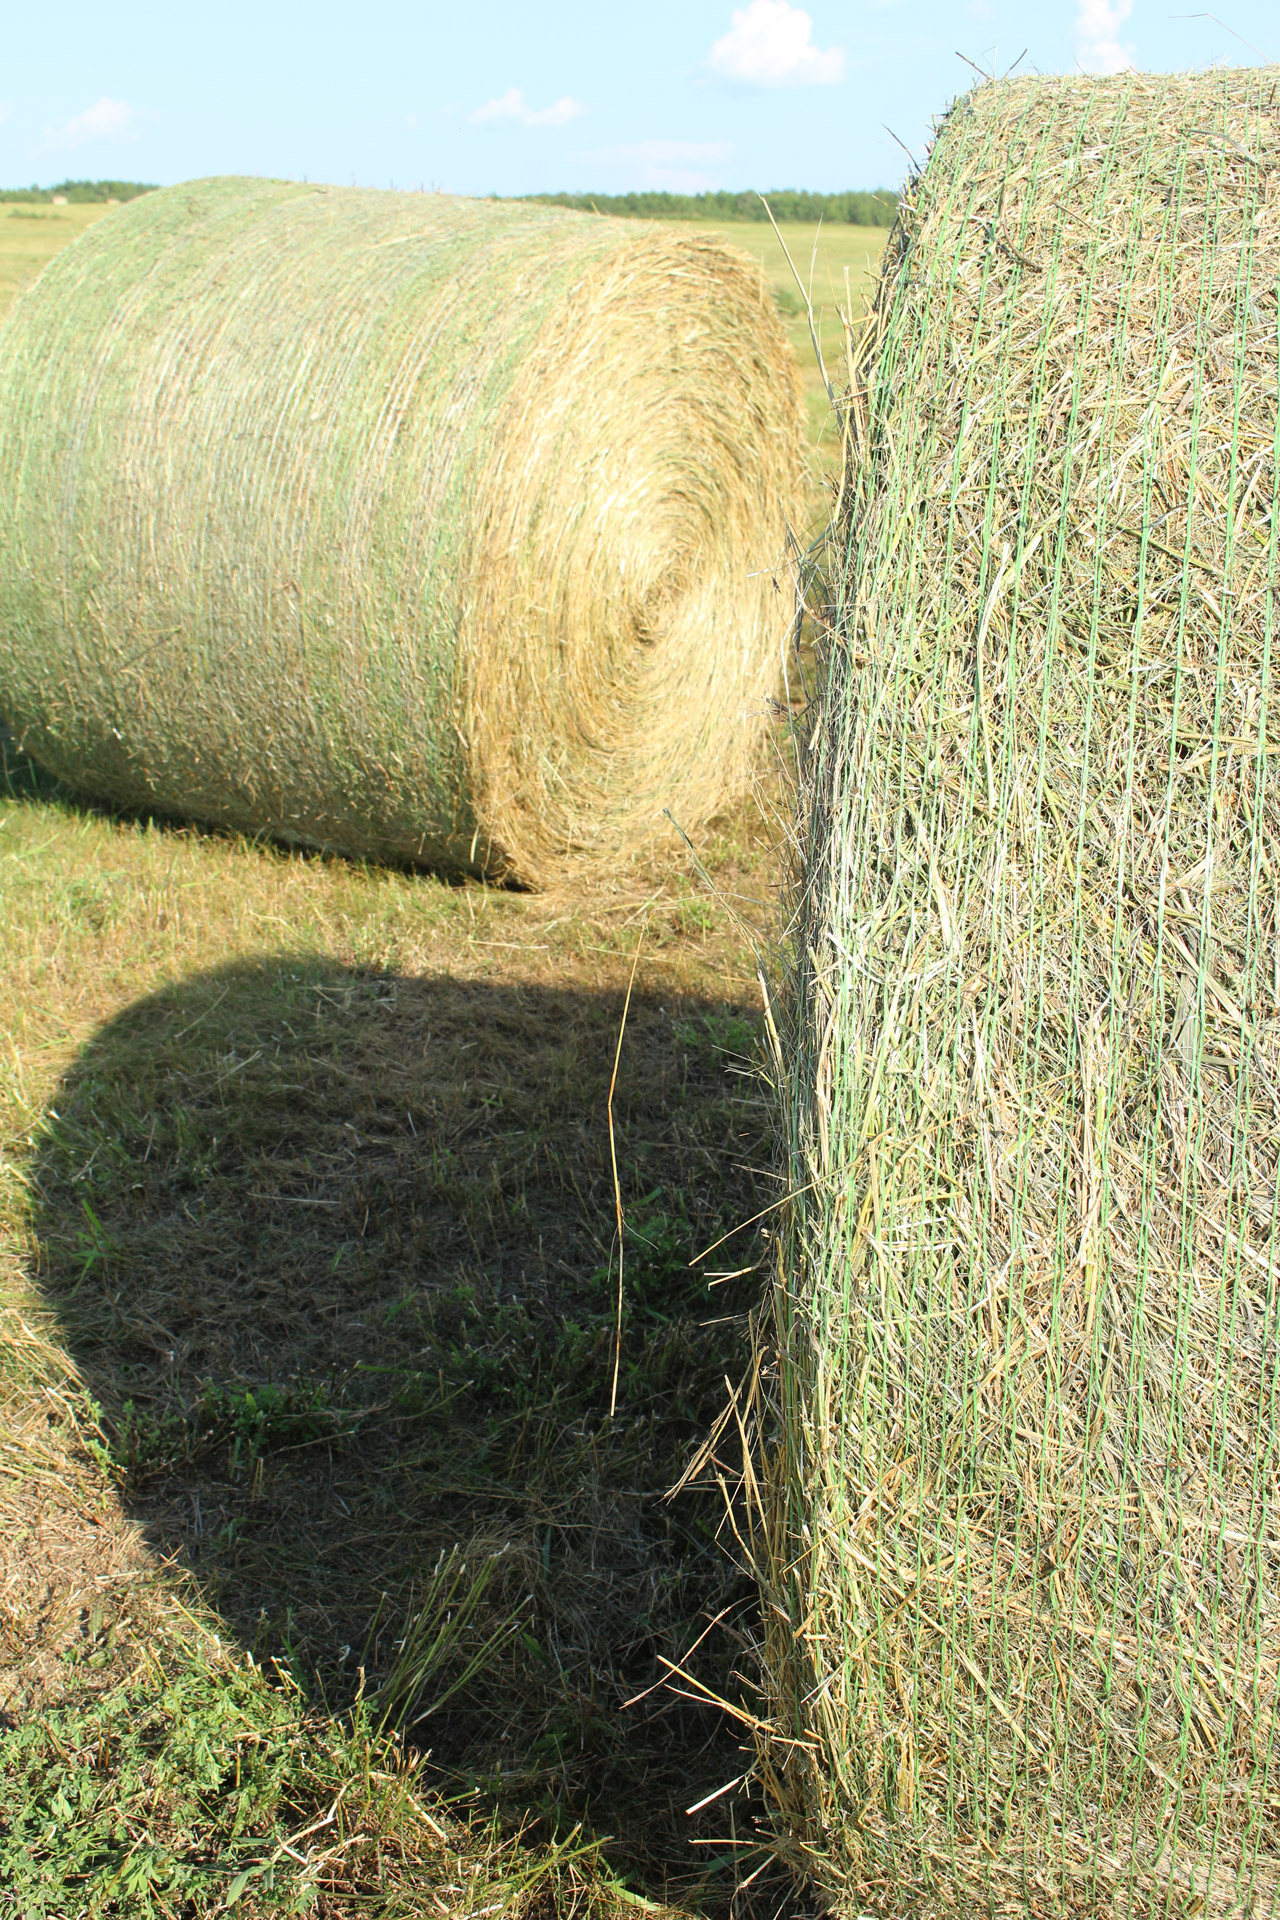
x: 1022, y: 1529
x: 409, y: 525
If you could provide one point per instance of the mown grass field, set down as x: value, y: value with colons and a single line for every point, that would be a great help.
x: 329, y: 1582
x: 308, y: 1281
x: 308, y: 1293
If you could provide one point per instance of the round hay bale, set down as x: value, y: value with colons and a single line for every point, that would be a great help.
x: 413, y: 526
x: 1021, y: 1528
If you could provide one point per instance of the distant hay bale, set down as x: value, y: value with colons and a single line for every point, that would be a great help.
x: 1021, y: 1521
x: 408, y: 525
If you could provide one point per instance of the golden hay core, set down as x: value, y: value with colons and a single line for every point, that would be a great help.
x: 407, y: 525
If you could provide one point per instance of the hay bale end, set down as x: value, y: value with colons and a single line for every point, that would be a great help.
x: 418, y: 527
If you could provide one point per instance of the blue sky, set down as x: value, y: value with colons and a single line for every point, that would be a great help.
x: 511, y: 98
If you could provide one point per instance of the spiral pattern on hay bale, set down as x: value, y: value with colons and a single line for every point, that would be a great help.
x: 1021, y: 1526
x: 412, y: 526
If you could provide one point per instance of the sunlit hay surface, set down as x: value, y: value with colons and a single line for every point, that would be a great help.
x: 407, y: 525
x: 1022, y: 1522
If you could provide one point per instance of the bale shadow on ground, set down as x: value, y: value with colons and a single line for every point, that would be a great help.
x: 333, y: 1251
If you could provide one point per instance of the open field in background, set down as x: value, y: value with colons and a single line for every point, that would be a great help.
x: 306, y: 1224
x: 30, y: 235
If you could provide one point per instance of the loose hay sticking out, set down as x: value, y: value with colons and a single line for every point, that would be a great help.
x: 1021, y: 1527
x: 408, y: 525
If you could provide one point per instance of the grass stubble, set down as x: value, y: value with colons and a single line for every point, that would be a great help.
x: 326, y: 1576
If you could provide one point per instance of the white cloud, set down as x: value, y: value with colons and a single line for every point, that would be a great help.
x: 1098, y: 45
x: 105, y: 120
x: 511, y: 106
x: 770, y: 44
x: 671, y: 166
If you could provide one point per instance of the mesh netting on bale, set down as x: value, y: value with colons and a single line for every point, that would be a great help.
x: 414, y: 526
x: 1021, y: 1526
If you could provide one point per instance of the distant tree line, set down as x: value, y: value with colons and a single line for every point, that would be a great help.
x: 78, y: 192
x: 878, y: 209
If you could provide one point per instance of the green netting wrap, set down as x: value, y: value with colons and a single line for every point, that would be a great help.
x: 404, y: 524
x: 1021, y: 1530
